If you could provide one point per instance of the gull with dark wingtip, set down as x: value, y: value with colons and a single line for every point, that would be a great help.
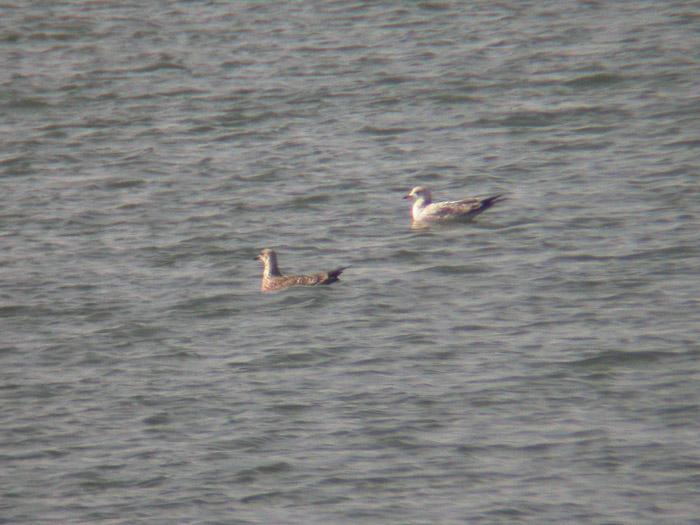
x: 426, y: 212
x: 274, y: 281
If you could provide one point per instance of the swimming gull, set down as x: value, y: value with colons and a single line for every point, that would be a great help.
x: 426, y: 212
x: 274, y: 281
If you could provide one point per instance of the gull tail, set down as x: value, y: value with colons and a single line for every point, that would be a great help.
x: 333, y: 275
x: 490, y: 201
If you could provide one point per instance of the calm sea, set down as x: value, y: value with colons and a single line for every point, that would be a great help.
x: 539, y: 365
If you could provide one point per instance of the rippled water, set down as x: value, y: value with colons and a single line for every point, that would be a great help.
x: 537, y: 365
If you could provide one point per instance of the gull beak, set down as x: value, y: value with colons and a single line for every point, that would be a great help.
x: 257, y: 258
x: 409, y: 196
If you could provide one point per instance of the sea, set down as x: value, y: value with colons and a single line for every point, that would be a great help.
x: 540, y: 364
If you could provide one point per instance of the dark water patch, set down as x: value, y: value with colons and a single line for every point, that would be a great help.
x: 209, y: 309
x: 581, y: 145
x: 308, y: 201
x: 412, y: 339
x: 265, y: 497
x: 690, y: 144
x: 290, y: 357
x: 27, y: 104
x: 389, y: 131
x: 664, y: 254
x: 522, y: 120
x: 391, y: 79
x: 162, y: 64
x: 370, y: 366
x: 612, y: 359
x: 386, y: 102
x: 162, y: 418
x: 433, y: 6
x: 7, y: 350
x: 655, y: 255
x: 273, y: 468
x: 14, y: 310
x: 16, y: 166
x: 123, y: 183
x: 51, y: 454
x: 512, y: 513
x: 291, y: 408
x: 11, y: 37
x: 469, y: 327
x: 456, y: 269
x: 595, y: 80
x: 134, y: 331
x: 677, y: 415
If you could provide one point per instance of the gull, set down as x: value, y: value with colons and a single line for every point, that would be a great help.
x: 425, y: 211
x: 274, y: 281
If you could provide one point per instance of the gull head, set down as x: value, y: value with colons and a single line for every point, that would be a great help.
x: 420, y: 194
x: 269, y: 260
x: 267, y: 257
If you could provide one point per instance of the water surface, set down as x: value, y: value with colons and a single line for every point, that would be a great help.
x: 537, y: 365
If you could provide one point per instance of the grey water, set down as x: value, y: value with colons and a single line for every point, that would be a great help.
x: 540, y: 364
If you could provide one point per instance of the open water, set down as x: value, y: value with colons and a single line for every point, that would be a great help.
x: 540, y: 364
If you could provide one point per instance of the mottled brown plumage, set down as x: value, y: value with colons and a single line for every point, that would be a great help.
x: 274, y: 281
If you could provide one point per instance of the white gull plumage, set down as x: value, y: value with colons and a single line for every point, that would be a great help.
x: 426, y: 212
